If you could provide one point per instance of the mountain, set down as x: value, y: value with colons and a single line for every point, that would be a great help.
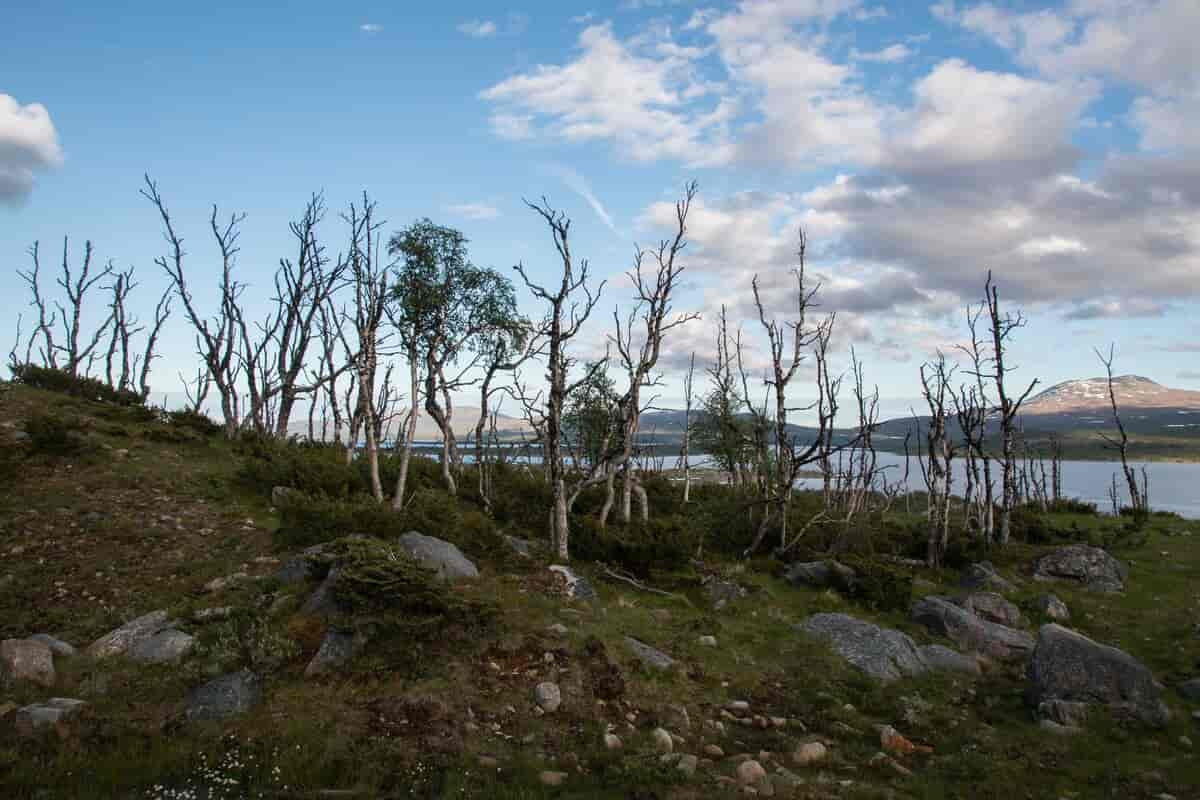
x: 1133, y: 392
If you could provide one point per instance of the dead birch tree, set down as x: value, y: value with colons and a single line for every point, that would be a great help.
x: 565, y: 315
x: 1138, y: 499
x: 1003, y: 326
x: 217, y: 338
x: 934, y: 386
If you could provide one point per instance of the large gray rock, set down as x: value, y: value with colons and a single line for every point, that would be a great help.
x: 984, y: 576
x: 1094, y: 568
x: 26, y: 661
x: 282, y: 495
x: 224, y: 697
x: 337, y: 648
x: 721, y: 591
x: 299, y: 568
x: 648, y: 655
x: 882, y: 653
x: 323, y: 602
x: 119, y: 641
x: 821, y: 574
x: 575, y: 586
x: 971, y: 632
x: 940, y: 658
x: 440, y: 556
x: 1069, y: 666
x: 165, y: 647
x: 991, y: 607
x: 53, y: 713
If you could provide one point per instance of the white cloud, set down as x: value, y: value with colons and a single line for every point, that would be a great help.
x: 474, y: 211
x: 868, y: 14
x: 1050, y: 246
x: 891, y: 54
x: 28, y: 145
x: 478, y: 28
x: 370, y: 27
x: 632, y: 93
x: 513, y: 126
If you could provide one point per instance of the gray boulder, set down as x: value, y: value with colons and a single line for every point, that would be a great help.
x: 119, y: 641
x: 1190, y: 689
x: 971, y: 632
x: 336, y: 649
x: 1090, y: 566
x: 282, y: 495
x: 821, y: 575
x: 57, y: 646
x: 984, y: 576
x: 323, y: 602
x: 940, y: 658
x: 1053, y: 608
x: 882, y: 653
x: 33, y: 719
x: 224, y: 697
x: 26, y: 661
x: 648, y: 655
x: 1070, y: 713
x: 165, y: 647
x: 991, y: 607
x: 575, y: 586
x: 525, y: 548
x: 440, y: 556
x: 1069, y: 666
x: 299, y: 568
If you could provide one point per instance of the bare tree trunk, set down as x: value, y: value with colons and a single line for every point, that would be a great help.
x: 410, y: 428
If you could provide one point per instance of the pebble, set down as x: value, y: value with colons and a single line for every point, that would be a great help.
x: 707, y: 641
x: 552, y: 778
x: 548, y: 696
x: 810, y: 753
x: 713, y: 751
x: 687, y: 764
x: 663, y: 742
x: 750, y: 772
x: 612, y: 741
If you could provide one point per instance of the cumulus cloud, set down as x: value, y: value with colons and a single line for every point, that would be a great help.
x: 28, y: 145
x: 892, y: 54
x: 476, y: 211
x: 370, y: 27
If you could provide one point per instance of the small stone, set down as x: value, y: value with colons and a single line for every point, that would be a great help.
x: 26, y: 661
x: 707, y: 641
x: 713, y: 751
x: 165, y: 647
x: 892, y: 741
x: 778, y: 722
x: 612, y: 742
x: 750, y: 772
x: 548, y: 696
x: 55, y: 711
x: 1050, y: 726
x: 810, y: 753
x: 224, y: 697
x: 488, y: 762
x: 118, y: 641
x: 738, y: 706
x: 1185, y: 741
x: 221, y: 584
x: 1053, y: 608
x: 663, y: 742
x: 649, y: 655
x: 204, y: 615
x: 687, y: 764
x: 552, y: 778
x: 558, y: 629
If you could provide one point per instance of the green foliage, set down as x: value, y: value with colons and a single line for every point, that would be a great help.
x: 591, y: 417
x: 58, y: 380
x: 665, y: 543
x: 314, y: 468
x: 54, y: 435
x: 385, y: 590
x: 309, y: 520
x: 880, y: 586
x: 187, y: 419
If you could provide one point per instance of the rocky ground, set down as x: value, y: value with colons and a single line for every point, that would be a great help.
x: 155, y: 644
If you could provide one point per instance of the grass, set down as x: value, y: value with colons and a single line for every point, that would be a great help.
x: 426, y: 716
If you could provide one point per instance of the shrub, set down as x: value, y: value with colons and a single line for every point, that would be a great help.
x: 187, y: 419
x: 663, y: 543
x: 309, y: 520
x: 880, y: 586
x: 54, y: 435
x: 314, y: 468
x: 383, y: 589
x: 1073, y: 505
x: 57, y: 380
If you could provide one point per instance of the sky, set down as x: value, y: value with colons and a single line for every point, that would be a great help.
x: 917, y: 144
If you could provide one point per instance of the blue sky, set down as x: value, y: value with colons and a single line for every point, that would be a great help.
x: 918, y: 144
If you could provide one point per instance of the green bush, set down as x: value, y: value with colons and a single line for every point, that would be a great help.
x: 1073, y: 505
x: 880, y: 586
x: 662, y: 544
x: 187, y: 419
x: 57, y: 380
x: 384, y: 590
x: 53, y: 435
x: 314, y: 468
x: 308, y: 520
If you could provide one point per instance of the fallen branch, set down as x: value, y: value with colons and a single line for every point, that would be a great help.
x: 609, y: 572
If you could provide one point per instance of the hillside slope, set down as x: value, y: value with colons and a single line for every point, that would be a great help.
x: 128, y: 515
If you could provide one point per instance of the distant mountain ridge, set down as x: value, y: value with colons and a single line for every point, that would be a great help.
x: 1133, y: 392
